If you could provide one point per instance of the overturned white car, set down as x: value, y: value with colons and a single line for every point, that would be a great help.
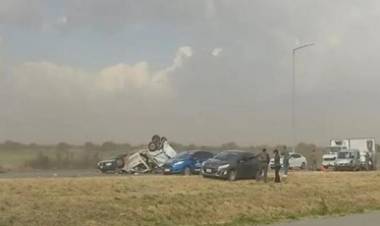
x: 146, y: 160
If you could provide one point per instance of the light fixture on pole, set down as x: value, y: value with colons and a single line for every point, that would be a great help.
x: 294, y: 92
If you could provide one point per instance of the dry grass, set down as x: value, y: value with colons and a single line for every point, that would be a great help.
x: 177, y: 200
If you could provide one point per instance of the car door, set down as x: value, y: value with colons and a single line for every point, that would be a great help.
x: 197, y: 160
x: 295, y: 160
x: 245, y: 166
x: 199, y: 157
x: 252, y: 166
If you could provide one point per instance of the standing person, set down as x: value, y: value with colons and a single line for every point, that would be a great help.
x: 277, y: 166
x: 313, y: 160
x: 286, y: 162
x: 264, y: 160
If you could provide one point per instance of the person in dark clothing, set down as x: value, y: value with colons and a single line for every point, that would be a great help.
x: 286, y: 163
x: 277, y: 166
x: 264, y: 159
x: 313, y: 160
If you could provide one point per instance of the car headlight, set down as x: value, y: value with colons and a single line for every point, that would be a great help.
x: 223, y: 166
x: 178, y: 163
x: 203, y: 163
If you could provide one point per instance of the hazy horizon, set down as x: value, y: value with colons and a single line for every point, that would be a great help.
x: 202, y: 72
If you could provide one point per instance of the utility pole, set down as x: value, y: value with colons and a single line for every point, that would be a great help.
x: 294, y: 126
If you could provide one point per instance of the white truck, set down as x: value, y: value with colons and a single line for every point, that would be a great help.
x: 365, y: 147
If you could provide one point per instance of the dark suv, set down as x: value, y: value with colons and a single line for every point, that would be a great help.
x: 111, y: 166
x: 232, y: 165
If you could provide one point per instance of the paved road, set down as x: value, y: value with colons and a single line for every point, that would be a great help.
x: 366, y: 219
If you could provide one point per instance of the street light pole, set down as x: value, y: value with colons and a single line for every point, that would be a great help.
x: 294, y: 92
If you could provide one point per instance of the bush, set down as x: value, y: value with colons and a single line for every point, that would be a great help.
x: 40, y: 162
x: 2, y: 170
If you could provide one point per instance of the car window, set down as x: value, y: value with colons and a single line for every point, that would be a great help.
x: 329, y: 158
x: 346, y: 155
x: 296, y: 156
x: 250, y: 156
x: 244, y: 158
x: 205, y: 155
x: 197, y: 155
x: 225, y: 156
x: 200, y: 155
x: 182, y: 156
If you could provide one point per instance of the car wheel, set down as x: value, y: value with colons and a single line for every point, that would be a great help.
x: 303, y: 166
x: 156, y: 138
x: 232, y: 175
x: 187, y: 171
x: 152, y: 146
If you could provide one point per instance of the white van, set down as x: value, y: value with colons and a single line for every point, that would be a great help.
x: 348, y: 160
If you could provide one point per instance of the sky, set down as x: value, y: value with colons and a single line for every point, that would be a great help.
x: 198, y: 72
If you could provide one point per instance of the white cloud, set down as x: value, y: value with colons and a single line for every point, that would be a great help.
x: 40, y: 79
x: 182, y: 53
x: 216, y: 51
x: 64, y: 102
x: 124, y: 77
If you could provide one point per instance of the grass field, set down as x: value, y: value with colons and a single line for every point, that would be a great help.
x: 180, y: 200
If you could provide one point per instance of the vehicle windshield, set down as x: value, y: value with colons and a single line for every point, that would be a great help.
x: 329, y: 158
x: 336, y: 149
x: 345, y: 155
x: 182, y: 156
x: 227, y: 156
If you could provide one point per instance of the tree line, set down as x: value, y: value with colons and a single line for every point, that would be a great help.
x: 64, y: 155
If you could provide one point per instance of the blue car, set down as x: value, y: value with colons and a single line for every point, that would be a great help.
x: 187, y: 163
